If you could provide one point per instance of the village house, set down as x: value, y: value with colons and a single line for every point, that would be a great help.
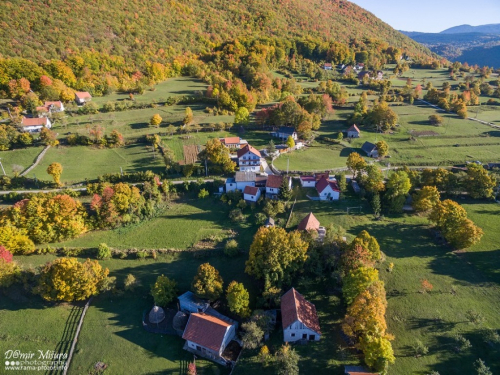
x: 50, y: 107
x: 273, y: 185
x: 82, y: 97
x: 357, y: 370
x: 233, y: 142
x: 284, y: 132
x: 249, y: 159
x: 299, y: 318
x: 328, y: 190
x: 269, y: 223
x: 36, y: 124
x: 251, y: 194
x: 307, y: 181
x: 190, y: 303
x: 353, y: 132
x: 208, y: 335
x: 310, y: 223
x: 370, y: 149
x: 240, y: 181
x: 327, y: 66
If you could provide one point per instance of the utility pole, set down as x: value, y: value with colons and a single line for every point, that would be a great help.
x: 287, y: 164
x: 5, y: 174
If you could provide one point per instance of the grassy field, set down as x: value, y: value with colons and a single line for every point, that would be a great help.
x: 81, y: 162
x: 23, y: 157
x: 461, y: 283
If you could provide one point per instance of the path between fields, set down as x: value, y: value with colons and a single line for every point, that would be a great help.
x: 38, y: 160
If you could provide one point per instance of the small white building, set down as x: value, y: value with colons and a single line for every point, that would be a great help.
x: 249, y: 159
x: 328, y: 190
x: 240, y: 181
x: 233, y: 142
x: 208, y: 336
x: 251, y: 194
x: 284, y: 132
x: 299, y: 318
x: 353, y: 132
x: 307, y: 181
x: 36, y: 124
x: 82, y: 97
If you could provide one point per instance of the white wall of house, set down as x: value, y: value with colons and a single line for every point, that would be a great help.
x: 33, y: 129
x: 249, y: 162
x: 286, y: 135
x: 308, y: 184
x: 272, y: 191
x: 252, y: 198
x: 297, y: 330
x: 250, y: 168
x: 353, y: 134
x: 230, y: 186
x: 241, y: 185
x: 329, y: 194
x: 230, y: 334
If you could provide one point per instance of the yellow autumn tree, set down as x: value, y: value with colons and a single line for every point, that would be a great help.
x: 155, y: 121
x: 426, y: 199
x: 66, y: 279
x: 55, y: 170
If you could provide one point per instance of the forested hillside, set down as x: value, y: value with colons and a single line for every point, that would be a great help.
x: 158, y: 30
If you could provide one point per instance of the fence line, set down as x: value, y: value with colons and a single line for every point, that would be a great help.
x: 68, y: 362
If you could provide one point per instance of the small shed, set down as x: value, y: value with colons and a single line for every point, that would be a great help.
x: 353, y: 132
x: 269, y: 222
x: 190, y: 303
x: 370, y: 149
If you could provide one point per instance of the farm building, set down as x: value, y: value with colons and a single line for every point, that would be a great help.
x: 327, y: 66
x: 251, y: 194
x: 328, y: 190
x: 273, y: 185
x: 370, y: 149
x: 50, y: 107
x: 208, y: 335
x: 307, y: 181
x: 299, y: 318
x: 284, y: 132
x: 34, y: 125
x: 269, y: 222
x: 311, y: 223
x: 190, y: 303
x: 249, y: 159
x: 353, y: 132
x: 82, y: 97
x: 233, y: 142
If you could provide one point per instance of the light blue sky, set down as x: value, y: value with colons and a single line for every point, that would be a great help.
x: 433, y: 16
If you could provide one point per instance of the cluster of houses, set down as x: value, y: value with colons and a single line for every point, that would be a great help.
x: 36, y: 124
x: 253, y: 185
x: 358, y: 69
x: 212, y: 335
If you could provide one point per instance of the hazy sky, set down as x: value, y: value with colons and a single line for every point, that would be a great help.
x: 433, y: 16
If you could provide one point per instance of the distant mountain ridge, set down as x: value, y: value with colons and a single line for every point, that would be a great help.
x: 472, y: 44
x: 493, y: 28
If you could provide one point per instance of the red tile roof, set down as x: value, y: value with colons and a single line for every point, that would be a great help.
x: 55, y: 104
x: 251, y: 190
x: 295, y: 307
x: 309, y: 223
x: 242, y: 151
x: 319, y: 176
x: 231, y: 140
x: 206, y: 330
x: 37, y: 121
x: 83, y: 95
x: 307, y: 178
x: 323, y: 183
x: 42, y: 109
x: 354, y: 128
x: 274, y: 181
x: 328, y: 64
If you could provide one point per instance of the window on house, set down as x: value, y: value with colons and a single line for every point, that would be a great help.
x: 293, y: 335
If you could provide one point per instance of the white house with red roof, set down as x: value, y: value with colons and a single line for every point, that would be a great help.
x: 327, y: 66
x: 307, y: 181
x: 36, y: 124
x: 353, y: 132
x: 233, y: 142
x: 208, y: 335
x: 251, y: 194
x: 328, y: 190
x: 82, y: 97
x: 273, y: 185
x: 299, y: 318
x: 50, y: 107
x: 249, y: 159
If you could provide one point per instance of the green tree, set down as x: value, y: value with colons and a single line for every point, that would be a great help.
x: 287, y: 361
x: 103, y: 251
x: 376, y: 205
x: 207, y: 282
x: 373, y: 180
x: 203, y: 194
x: 276, y: 255
x: 383, y: 117
x: 382, y: 148
x: 436, y: 120
x: 356, y: 281
x: 66, y: 279
x: 238, y: 299
x: 252, y: 336
x: 290, y: 142
x: 271, y: 148
x: 481, y: 368
x: 285, y: 193
x: 164, y: 290
x: 378, y: 353
x: 55, y: 170
x: 398, y: 186
x: 15, y: 239
x: 9, y: 273
x: 155, y: 121
x: 242, y: 116
x: 48, y: 137
x: 370, y: 243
